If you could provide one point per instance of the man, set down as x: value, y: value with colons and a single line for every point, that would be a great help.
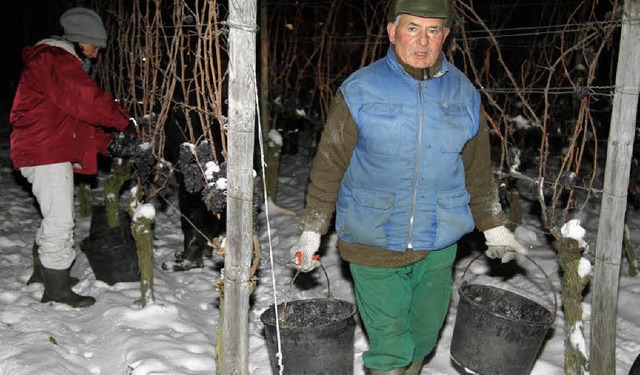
x: 404, y: 162
x: 57, y: 115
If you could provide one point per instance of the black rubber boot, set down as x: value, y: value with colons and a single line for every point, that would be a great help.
x: 635, y: 367
x: 198, y: 226
x: 57, y: 288
x: 36, y: 276
x: 190, y: 258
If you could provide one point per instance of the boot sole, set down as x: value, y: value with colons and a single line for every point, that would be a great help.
x: 81, y: 303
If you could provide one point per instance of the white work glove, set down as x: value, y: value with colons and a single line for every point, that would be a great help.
x: 304, y: 252
x: 501, y: 243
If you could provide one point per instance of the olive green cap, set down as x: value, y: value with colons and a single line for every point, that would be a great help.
x: 423, y: 8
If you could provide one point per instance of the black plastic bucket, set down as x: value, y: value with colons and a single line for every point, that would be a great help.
x: 111, y: 252
x: 497, y: 332
x: 316, y: 336
x: 635, y: 367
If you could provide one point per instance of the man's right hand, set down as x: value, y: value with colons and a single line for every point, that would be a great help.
x: 303, y: 254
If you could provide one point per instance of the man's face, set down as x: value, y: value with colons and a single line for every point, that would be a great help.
x: 418, y: 40
x: 89, y: 50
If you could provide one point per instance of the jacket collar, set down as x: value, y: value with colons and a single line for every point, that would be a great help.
x: 56, y: 41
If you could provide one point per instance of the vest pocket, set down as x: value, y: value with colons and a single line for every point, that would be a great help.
x: 365, y: 217
x: 453, y: 217
x: 382, y: 130
x: 457, y: 127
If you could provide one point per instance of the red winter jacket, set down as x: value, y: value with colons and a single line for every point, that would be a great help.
x: 58, y: 111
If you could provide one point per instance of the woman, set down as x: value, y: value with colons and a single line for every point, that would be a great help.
x: 57, y: 117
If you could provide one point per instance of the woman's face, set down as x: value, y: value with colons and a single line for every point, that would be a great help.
x: 89, y: 50
x: 418, y: 41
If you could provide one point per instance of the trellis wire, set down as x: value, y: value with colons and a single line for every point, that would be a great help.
x: 266, y: 214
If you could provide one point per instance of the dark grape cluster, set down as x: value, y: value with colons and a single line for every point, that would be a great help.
x: 143, y: 163
x: 204, y: 152
x: 199, y: 177
x: 191, y: 167
x: 123, y: 146
x: 185, y: 156
x: 214, y: 195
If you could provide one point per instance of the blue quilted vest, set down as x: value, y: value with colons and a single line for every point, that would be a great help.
x: 405, y: 184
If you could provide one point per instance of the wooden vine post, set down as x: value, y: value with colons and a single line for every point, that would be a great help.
x: 86, y: 199
x: 120, y: 173
x: 614, y: 197
x: 142, y: 217
x: 573, y: 284
x: 239, y: 253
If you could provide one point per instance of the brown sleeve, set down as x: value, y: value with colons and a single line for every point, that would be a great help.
x: 476, y: 156
x: 329, y: 165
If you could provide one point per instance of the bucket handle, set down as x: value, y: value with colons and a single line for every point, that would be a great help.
x: 553, y: 289
x: 283, y: 320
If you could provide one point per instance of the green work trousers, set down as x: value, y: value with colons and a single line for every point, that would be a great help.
x: 403, y: 309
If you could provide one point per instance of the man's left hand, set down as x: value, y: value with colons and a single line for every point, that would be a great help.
x: 501, y: 243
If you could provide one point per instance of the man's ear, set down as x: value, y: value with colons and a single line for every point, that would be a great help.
x: 391, y: 31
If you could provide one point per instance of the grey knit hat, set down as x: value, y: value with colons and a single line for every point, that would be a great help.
x: 423, y: 8
x: 85, y: 26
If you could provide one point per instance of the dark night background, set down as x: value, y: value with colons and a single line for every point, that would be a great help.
x: 28, y: 21
x: 23, y: 23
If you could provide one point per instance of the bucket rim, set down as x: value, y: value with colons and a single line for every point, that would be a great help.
x: 553, y: 289
x: 547, y: 322
x: 348, y: 316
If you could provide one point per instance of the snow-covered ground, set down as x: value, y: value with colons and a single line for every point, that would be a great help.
x: 177, y: 334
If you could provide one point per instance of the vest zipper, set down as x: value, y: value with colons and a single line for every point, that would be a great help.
x: 418, y: 155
